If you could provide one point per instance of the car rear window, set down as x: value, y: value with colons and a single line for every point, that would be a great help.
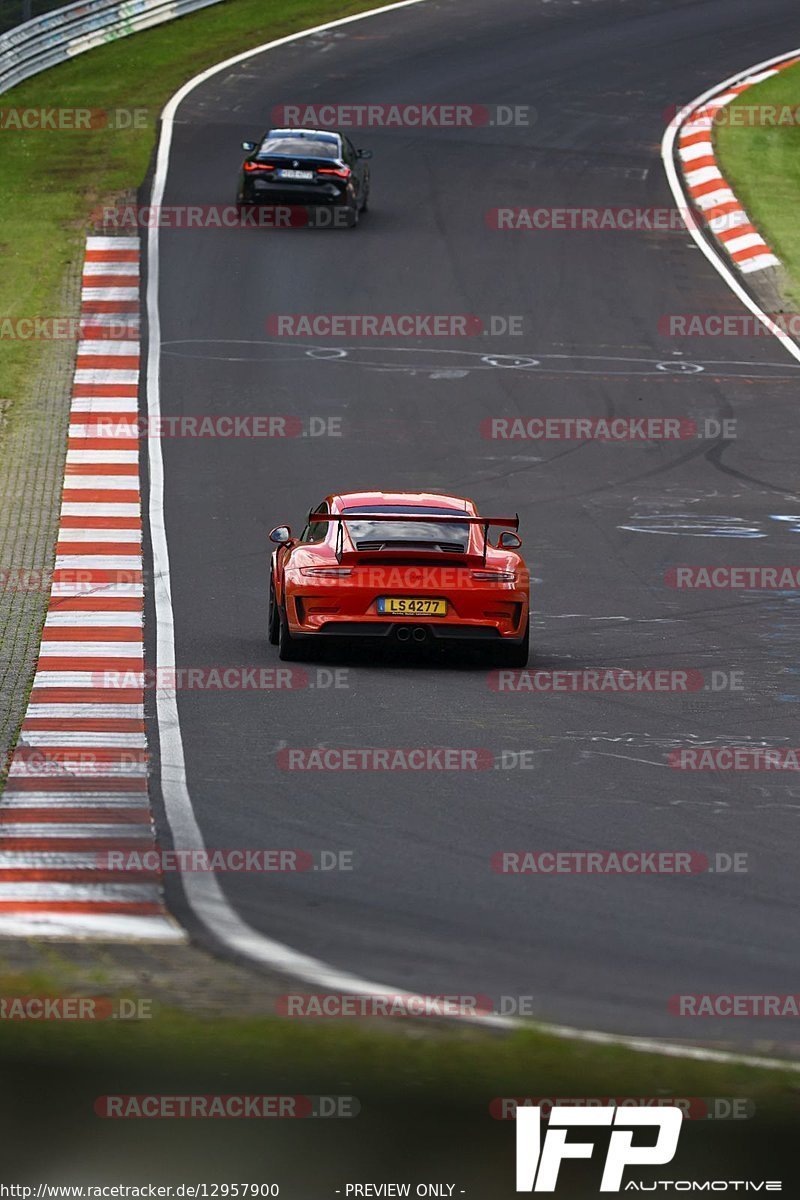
x: 285, y: 147
x: 427, y: 531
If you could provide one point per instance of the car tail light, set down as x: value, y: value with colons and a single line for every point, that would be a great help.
x: 342, y: 172
x: 257, y: 166
x: 335, y: 572
x: 495, y: 576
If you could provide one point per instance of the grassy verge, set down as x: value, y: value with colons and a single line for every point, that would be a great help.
x: 427, y: 1098
x: 52, y: 180
x: 397, y: 1054
x: 762, y: 163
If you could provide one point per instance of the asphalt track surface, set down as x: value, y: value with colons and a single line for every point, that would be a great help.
x: 601, y: 523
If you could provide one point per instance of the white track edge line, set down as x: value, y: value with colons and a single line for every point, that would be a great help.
x: 203, y: 893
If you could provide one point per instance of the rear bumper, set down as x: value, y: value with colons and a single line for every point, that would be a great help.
x: 395, y: 630
x: 477, y: 611
x: 281, y: 193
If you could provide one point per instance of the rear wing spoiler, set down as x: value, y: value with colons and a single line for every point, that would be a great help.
x: 486, y: 523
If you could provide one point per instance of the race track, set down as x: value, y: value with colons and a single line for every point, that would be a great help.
x: 601, y: 523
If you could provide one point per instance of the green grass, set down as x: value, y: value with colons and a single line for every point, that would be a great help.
x: 762, y: 163
x: 424, y: 1094
x: 52, y: 180
x: 414, y: 1056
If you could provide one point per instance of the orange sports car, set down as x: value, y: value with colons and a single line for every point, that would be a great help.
x: 410, y: 567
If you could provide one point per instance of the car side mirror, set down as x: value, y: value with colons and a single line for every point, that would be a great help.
x: 364, y: 153
x: 249, y: 146
x: 280, y: 535
x: 509, y: 541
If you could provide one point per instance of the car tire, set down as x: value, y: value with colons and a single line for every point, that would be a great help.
x: 365, y: 201
x: 352, y: 215
x: 515, y: 654
x: 274, y: 616
x: 289, y: 649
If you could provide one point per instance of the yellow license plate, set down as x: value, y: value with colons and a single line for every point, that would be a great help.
x: 411, y: 606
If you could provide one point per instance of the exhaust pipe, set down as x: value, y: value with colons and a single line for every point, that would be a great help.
x: 403, y: 633
x: 419, y: 634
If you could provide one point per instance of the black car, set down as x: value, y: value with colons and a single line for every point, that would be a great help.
x: 310, y: 167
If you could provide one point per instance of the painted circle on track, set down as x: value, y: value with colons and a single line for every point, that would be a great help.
x: 326, y: 352
x: 680, y: 368
x: 509, y: 361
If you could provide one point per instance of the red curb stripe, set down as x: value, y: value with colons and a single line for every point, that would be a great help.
x: 86, y: 695
x: 110, y: 281
x: 97, y: 666
x: 750, y: 252
x: 76, y: 816
x: 94, y: 548
x: 93, y: 633
x: 101, y: 496
x: 91, y: 332
x: 106, y: 604
x: 722, y: 210
x: 130, y: 256
x: 60, y: 754
x: 729, y: 235
x: 75, y: 875
x: 76, y: 844
x: 131, y: 469
x: 83, y: 725
x: 108, y: 362
x: 693, y: 139
x: 112, y: 419
x: 112, y: 443
x: 96, y: 575
x: 121, y: 391
x: 697, y: 164
x: 133, y: 909
x: 705, y: 189
x: 109, y: 306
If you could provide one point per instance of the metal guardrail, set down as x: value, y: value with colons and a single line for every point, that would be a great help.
x: 57, y: 36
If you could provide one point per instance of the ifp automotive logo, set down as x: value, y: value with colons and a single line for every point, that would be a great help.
x: 539, y: 1160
